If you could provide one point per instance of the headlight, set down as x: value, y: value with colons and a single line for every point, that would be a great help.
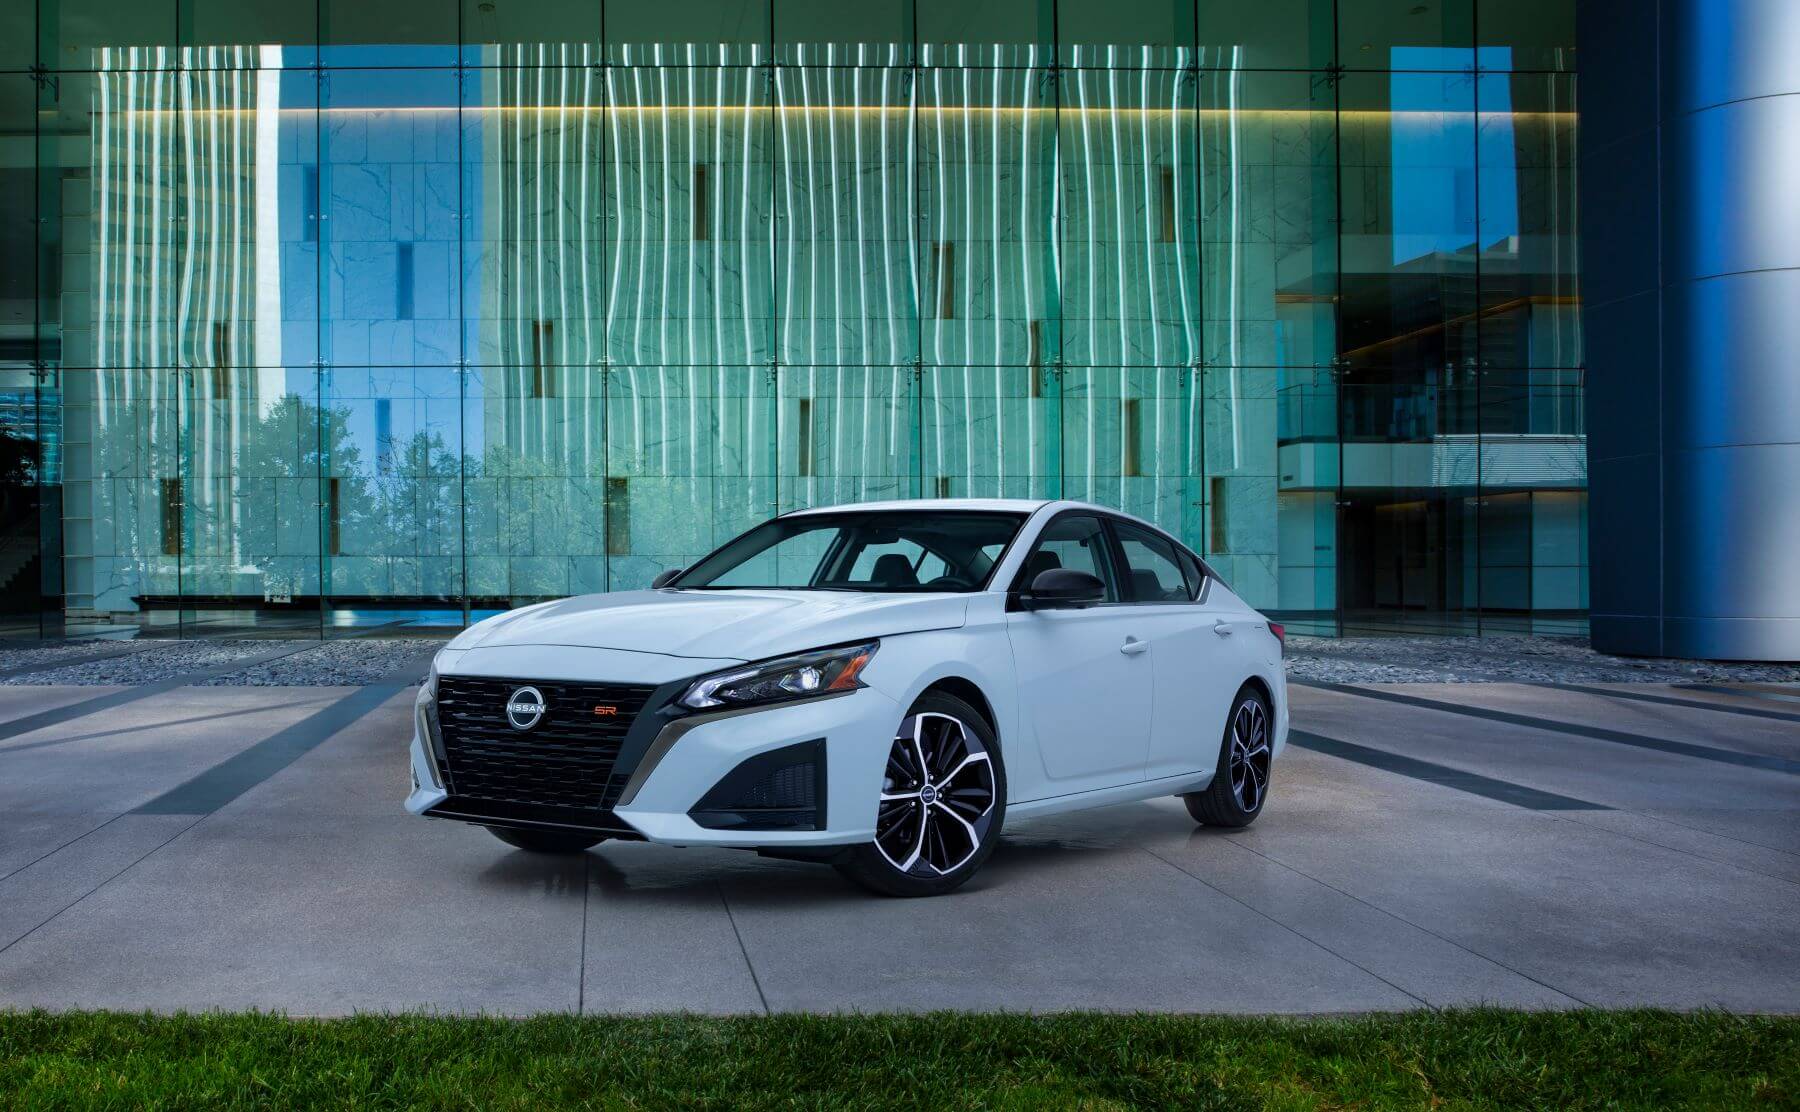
x: 782, y: 680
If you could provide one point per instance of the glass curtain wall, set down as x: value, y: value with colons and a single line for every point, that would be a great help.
x: 327, y: 318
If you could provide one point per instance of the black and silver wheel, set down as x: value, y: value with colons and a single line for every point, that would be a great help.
x: 546, y: 841
x: 1240, y: 785
x: 943, y: 797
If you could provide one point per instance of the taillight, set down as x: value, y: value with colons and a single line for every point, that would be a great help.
x: 1280, y: 632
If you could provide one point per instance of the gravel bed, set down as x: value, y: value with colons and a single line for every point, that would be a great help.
x: 350, y: 663
x: 29, y: 654
x: 162, y: 660
x: 1502, y: 659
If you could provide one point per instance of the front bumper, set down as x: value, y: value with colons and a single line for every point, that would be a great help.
x: 691, y: 755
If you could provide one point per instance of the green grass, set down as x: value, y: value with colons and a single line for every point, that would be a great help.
x: 1465, y: 1059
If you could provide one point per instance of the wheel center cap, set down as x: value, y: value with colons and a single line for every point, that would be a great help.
x: 928, y: 795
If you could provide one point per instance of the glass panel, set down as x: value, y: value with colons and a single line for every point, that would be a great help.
x: 249, y: 35
x: 1409, y: 231
x: 1240, y: 532
x: 247, y: 287
x: 391, y: 515
x: 18, y: 38
x: 1269, y: 34
x: 844, y: 217
x: 990, y: 432
x: 987, y: 219
x: 830, y: 32
x: 690, y: 178
x: 391, y: 33
x: 687, y: 33
x: 1121, y: 34
x: 1268, y: 219
x: 535, y: 488
x: 533, y: 217
x: 986, y: 32
x: 28, y: 471
x: 1131, y: 439
x: 250, y: 461
x: 1406, y: 34
x: 690, y: 463
x: 116, y: 218
x: 1130, y: 261
x: 542, y: 32
x: 19, y: 187
x: 1407, y: 555
x: 105, y: 34
x: 1527, y: 34
x: 389, y: 210
x: 847, y: 434
x: 1530, y: 281
x: 183, y: 219
x: 123, y: 561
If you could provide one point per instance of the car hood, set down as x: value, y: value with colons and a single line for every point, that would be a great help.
x: 737, y: 625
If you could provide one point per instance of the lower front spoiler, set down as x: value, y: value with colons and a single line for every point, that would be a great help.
x: 525, y: 816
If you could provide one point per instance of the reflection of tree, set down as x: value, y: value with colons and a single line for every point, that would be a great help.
x: 416, y: 504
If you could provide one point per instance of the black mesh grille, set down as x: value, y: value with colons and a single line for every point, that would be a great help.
x: 565, y: 760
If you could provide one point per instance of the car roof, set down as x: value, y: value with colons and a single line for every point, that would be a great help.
x: 1004, y: 505
x: 992, y: 505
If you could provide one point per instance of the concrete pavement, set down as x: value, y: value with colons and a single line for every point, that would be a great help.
x: 1414, y: 863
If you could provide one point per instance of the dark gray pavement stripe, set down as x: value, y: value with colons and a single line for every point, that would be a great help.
x: 59, y: 715
x: 70, y: 661
x: 1752, y: 692
x: 1472, y: 782
x: 237, y: 774
x: 1667, y: 700
x: 1617, y: 737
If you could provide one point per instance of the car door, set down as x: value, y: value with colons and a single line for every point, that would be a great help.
x: 1195, y: 672
x: 1084, y: 683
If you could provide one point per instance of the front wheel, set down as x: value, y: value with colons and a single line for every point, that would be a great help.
x: 546, y: 841
x: 943, y: 798
x: 1240, y: 784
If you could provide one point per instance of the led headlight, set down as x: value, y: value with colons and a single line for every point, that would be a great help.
x: 782, y: 680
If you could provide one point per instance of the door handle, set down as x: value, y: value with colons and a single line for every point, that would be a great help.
x: 1222, y: 628
x: 1133, y: 646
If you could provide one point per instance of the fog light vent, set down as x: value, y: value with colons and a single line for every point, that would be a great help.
x: 783, y: 789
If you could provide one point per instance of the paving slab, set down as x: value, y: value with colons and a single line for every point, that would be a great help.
x: 1545, y: 759
x: 308, y: 890
x: 315, y: 918
x: 120, y: 758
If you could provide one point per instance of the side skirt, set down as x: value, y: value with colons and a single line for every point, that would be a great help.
x: 1103, y: 797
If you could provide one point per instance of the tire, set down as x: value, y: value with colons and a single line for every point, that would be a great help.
x: 546, y: 841
x: 1240, y: 785
x: 933, y: 831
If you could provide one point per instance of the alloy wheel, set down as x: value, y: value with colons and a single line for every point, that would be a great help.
x: 1250, y: 755
x: 937, y: 796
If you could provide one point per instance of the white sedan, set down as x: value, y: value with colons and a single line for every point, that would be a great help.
x: 877, y: 686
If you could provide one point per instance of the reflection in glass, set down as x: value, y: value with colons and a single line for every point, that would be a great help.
x: 689, y: 173
x: 1130, y: 270
x: 987, y: 239
x: 844, y: 203
x: 478, y: 304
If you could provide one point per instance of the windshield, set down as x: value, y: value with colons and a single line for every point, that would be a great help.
x: 876, y: 551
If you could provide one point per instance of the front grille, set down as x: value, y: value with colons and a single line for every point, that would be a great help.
x: 566, y: 760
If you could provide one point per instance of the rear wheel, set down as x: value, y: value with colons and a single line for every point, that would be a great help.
x: 1241, y: 783
x: 943, y: 798
x: 546, y: 841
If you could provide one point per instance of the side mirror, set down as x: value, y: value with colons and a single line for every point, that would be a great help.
x: 665, y: 577
x: 1063, y: 589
